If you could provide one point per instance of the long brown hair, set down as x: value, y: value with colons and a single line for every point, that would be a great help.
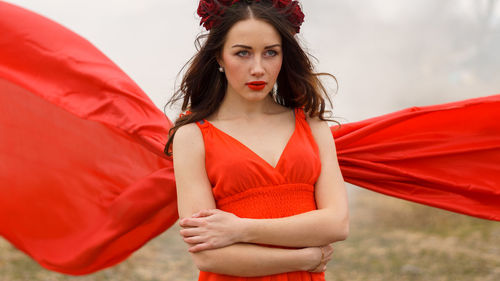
x: 203, y: 87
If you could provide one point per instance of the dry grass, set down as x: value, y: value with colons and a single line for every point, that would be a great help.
x: 390, y: 239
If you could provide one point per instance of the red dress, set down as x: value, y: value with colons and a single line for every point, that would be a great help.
x: 244, y: 184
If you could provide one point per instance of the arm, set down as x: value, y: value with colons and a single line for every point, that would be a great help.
x: 194, y: 193
x: 328, y: 224
x: 248, y: 260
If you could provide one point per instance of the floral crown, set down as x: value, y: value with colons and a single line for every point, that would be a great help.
x: 211, y: 11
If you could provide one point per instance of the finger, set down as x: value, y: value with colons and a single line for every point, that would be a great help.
x: 328, y: 250
x: 330, y: 254
x: 191, y: 222
x: 205, y: 213
x: 184, y: 222
x: 200, y: 247
x: 194, y: 239
x: 320, y: 268
x: 317, y: 269
x: 188, y: 232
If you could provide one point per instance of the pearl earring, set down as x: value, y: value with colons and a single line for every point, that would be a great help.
x: 221, y: 69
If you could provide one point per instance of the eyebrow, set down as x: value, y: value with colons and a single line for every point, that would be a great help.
x: 248, y: 47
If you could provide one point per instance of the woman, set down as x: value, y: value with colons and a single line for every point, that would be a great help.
x: 96, y: 186
x: 234, y: 151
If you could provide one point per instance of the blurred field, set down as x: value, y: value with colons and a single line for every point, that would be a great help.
x: 390, y: 239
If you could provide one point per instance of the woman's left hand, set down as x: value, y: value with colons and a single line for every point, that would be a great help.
x: 210, y: 229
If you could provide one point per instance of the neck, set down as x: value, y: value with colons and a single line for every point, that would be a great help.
x: 234, y: 106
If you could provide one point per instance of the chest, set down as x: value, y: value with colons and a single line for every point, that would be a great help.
x: 241, y: 157
x: 267, y: 141
x: 231, y: 165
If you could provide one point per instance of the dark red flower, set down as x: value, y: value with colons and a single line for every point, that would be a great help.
x: 296, y: 17
x: 292, y: 11
x: 211, y: 11
x: 281, y: 3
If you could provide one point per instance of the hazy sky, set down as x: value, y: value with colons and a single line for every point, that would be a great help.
x: 386, y: 54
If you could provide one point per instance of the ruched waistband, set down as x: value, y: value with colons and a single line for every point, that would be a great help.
x: 270, y: 201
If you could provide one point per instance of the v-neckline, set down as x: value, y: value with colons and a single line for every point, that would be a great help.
x: 253, y: 152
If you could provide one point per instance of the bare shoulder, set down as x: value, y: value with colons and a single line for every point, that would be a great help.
x: 187, y: 132
x: 188, y: 142
x: 194, y: 191
x: 315, y: 122
x: 322, y: 134
x: 319, y: 127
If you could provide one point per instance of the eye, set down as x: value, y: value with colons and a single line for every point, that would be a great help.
x: 242, y: 53
x: 271, y: 53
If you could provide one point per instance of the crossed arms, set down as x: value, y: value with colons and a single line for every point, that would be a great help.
x: 222, y: 243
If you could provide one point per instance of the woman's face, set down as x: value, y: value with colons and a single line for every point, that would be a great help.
x: 252, y: 53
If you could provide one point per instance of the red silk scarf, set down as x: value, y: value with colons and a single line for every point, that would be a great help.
x: 85, y: 182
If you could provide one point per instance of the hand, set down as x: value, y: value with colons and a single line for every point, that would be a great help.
x: 210, y: 229
x: 324, y: 258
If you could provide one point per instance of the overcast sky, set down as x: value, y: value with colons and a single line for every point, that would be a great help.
x: 386, y: 54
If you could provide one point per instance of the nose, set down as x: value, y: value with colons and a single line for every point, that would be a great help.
x: 257, y: 68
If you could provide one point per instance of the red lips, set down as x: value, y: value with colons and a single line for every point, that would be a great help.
x: 256, y: 85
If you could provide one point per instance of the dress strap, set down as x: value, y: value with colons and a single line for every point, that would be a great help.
x: 202, y: 123
x: 299, y: 111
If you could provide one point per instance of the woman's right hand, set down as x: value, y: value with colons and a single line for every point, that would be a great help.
x: 324, y: 255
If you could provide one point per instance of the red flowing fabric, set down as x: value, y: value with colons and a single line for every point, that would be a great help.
x: 446, y: 156
x: 85, y: 182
